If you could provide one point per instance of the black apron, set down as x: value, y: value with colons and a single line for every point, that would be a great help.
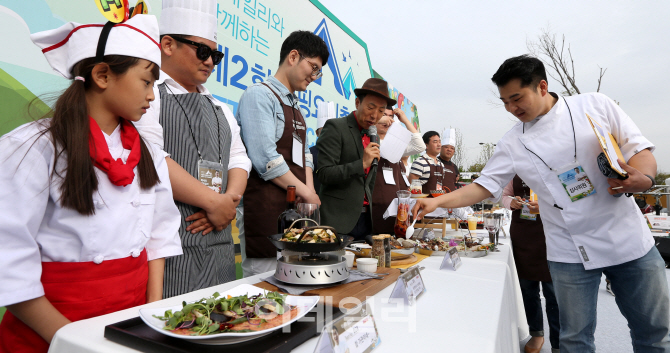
x: 383, y: 194
x: 207, y: 260
x: 529, y: 247
x: 450, y: 175
x: 436, y: 177
x: 264, y: 201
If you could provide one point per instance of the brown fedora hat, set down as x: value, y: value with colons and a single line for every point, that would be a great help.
x: 377, y: 87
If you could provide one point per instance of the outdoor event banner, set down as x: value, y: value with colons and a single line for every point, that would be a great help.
x: 250, y: 33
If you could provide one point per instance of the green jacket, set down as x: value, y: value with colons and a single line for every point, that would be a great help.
x: 340, y: 171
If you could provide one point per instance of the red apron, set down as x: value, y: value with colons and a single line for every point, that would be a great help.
x: 81, y: 290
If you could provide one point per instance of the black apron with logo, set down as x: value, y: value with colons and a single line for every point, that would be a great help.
x: 383, y: 194
x: 450, y: 175
x: 529, y: 247
x: 207, y: 260
x: 264, y: 201
x: 436, y: 178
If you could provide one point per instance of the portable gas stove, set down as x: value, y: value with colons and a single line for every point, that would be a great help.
x: 318, y: 268
x: 311, y: 263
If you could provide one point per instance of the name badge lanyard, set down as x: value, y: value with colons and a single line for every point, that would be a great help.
x: 574, y: 137
x: 298, y: 148
x: 190, y: 128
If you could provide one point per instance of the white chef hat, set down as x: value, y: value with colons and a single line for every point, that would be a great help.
x: 73, y: 42
x: 325, y: 111
x: 448, y: 137
x: 190, y: 18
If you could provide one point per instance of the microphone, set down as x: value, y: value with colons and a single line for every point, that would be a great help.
x: 374, y: 138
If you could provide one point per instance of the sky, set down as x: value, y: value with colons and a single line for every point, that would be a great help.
x: 442, y: 54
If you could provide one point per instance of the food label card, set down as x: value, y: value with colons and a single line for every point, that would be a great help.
x: 658, y: 222
x: 409, y: 285
x: 356, y: 332
x: 451, y: 260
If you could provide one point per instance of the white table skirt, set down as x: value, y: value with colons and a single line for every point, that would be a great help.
x: 475, y: 309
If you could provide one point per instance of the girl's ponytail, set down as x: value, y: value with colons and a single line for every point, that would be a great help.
x: 70, y: 132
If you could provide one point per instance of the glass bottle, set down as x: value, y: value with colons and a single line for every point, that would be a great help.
x: 290, y: 214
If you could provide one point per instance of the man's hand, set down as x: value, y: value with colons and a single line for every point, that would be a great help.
x: 517, y: 203
x: 309, y: 198
x: 424, y: 207
x: 371, y: 152
x: 222, y: 211
x: 403, y: 119
x: 200, y: 223
x: 636, y: 182
x: 401, y: 116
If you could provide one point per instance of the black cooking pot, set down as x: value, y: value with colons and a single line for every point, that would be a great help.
x: 341, y: 242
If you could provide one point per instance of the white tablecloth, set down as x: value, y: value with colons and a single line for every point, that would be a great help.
x: 475, y: 309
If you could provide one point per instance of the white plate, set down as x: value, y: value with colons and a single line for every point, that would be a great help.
x: 418, y: 196
x: 304, y: 303
x: 403, y: 251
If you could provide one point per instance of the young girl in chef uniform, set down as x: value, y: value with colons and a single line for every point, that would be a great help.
x: 87, y: 215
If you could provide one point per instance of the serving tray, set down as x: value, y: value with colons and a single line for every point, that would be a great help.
x: 134, y: 333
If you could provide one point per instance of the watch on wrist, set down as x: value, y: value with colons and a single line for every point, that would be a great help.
x: 653, y: 181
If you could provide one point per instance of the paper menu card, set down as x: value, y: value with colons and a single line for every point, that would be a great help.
x: 395, y: 142
x: 609, y: 146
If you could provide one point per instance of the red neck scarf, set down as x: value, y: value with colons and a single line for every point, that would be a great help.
x: 119, y: 174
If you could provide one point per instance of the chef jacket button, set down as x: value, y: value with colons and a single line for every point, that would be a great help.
x: 135, y: 253
x: 135, y: 203
x: 98, y: 259
x: 98, y: 204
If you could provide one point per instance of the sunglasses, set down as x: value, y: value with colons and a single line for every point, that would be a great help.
x: 202, y: 51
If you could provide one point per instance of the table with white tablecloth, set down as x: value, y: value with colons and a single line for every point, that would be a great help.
x: 477, y: 308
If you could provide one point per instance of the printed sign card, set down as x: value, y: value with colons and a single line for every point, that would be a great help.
x: 409, y: 285
x: 658, y: 222
x: 451, y: 260
x: 356, y: 332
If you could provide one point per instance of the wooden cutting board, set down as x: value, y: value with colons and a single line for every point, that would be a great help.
x: 410, y: 260
x: 360, y: 290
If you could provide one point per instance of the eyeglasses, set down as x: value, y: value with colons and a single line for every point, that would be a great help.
x: 203, y: 52
x: 316, y: 72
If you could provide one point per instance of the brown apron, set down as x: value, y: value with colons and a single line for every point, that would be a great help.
x: 450, y: 175
x: 529, y: 247
x: 263, y: 200
x: 383, y: 194
x: 435, y: 180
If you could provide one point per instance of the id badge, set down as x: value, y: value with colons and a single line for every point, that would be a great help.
x: 575, y: 181
x: 404, y: 177
x: 297, y: 152
x: 525, y: 214
x: 210, y: 174
x: 388, y: 176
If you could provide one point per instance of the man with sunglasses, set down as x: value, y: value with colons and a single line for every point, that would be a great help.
x: 202, y: 138
x: 274, y: 132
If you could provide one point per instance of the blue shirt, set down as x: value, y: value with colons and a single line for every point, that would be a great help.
x: 261, y: 120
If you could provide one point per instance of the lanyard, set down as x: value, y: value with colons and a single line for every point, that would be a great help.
x: 573, y: 137
x: 218, y: 129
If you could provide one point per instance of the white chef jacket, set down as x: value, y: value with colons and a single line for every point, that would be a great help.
x: 150, y: 128
x: 600, y: 230
x: 34, y: 228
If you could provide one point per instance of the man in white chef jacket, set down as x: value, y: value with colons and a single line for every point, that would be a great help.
x: 588, y: 233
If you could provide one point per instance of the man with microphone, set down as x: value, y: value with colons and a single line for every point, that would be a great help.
x: 347, y: 162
